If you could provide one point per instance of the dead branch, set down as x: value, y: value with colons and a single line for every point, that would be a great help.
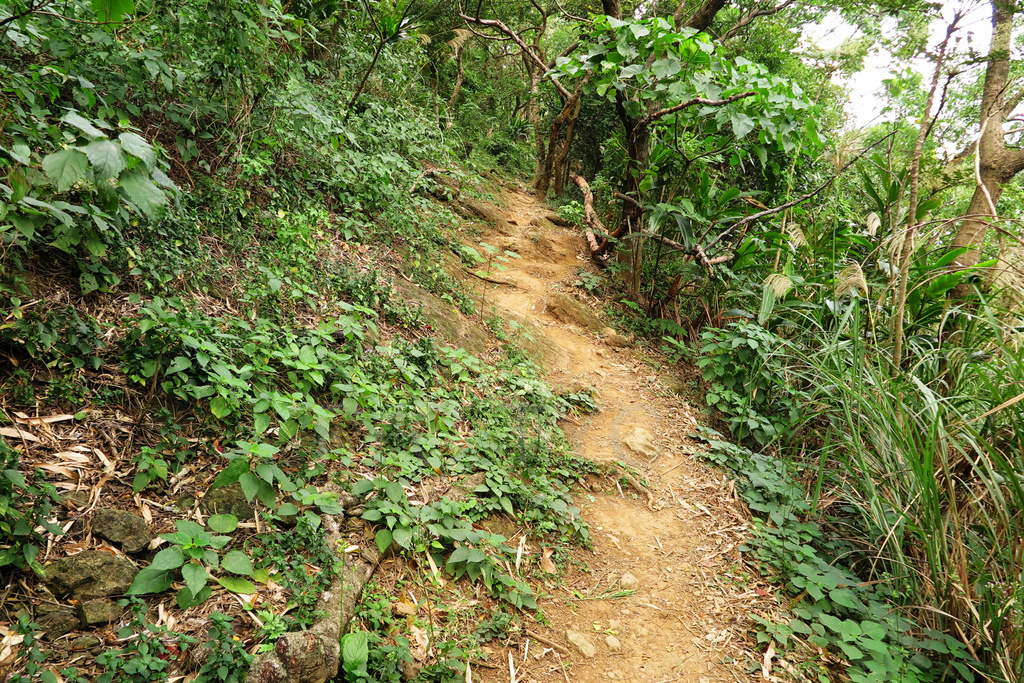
x: 750, y: 16
x: 514, y: 37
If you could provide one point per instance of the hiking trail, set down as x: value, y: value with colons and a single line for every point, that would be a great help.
x: 663, y: 595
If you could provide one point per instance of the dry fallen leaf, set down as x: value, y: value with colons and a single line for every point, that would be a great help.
x: 49, y: 419
x: 16, y: 433
x: 419, y: 652
x: 546, y: 565
x: 766, y: 664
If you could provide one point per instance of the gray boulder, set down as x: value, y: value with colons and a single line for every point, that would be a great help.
x: 90, y: 575
x: 228, y: 500
x: 123, y: 529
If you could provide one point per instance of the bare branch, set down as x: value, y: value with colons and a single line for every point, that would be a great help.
x: 750, y: 16
x: 800, y: 200
x: 650, y: 118
x: 495, y: 23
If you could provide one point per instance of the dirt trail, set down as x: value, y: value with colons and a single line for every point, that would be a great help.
x: 687, y: 616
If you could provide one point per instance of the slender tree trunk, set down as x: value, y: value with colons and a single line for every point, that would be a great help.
x: 461, y: 77
x: 532, y: 109
x: 915, y: 174
x: 549, y: 158
x: 562, y: 161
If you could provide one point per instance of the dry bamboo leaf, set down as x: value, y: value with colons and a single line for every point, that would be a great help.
x: 15, y: 433
x: 73, y: 457
x: 49, y: 419
x: 433, y: 568
x: 59, y: 469
x: 766, y: 663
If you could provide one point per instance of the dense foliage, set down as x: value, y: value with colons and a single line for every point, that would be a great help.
x: 183, y: 188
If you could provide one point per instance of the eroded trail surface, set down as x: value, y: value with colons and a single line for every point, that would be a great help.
x: 662, y: 596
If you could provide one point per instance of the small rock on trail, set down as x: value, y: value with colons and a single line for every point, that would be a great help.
x: 587, y: 648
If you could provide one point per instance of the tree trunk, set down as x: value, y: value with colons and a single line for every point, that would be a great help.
x: 915, y: 177
x: 562, y: 161
x: 995, y: 165
x: 549, y: 158
x: 532, y: 110
x: 460, y: 79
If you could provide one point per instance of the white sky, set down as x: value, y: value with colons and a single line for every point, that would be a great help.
x: 866, y: 99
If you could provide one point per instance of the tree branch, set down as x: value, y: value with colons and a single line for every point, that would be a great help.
x: 650, y: 118
x: 495, y: 23
x: 800, y: 200
x: 703, y: 17
x: 750, y: 16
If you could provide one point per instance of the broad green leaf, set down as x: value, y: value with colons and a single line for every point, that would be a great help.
x: 150, y: 580
x: 236, y: 562
x: 106, y: 158
x: 394, y: 491
x: 223, y: 523
x: 65, y: 168
x: 741, y: 124
x: 178, y: 364
x: 872, y: 629
x: 639, y: 30
x: 846, y: 598
x: 195, y: 577
x: 285, y: 509
x: 237, y: 585
x: 666, y: 68
x: 383, y: 539
x: 355, y: 648
x: 143, y: 193
x: 402, y: 535
x: 137, y: 146
x: 267, y: 495
x: 230, y: 474
x: 83, y: 125
x: 187, y: 600
x: 168, y: 558
x: 261, y: 422
x: 362, y: 487
x: 111, y: 11
x: 250, y: 485
x: 19, y: 185
x: 220, y: 407
x: 187, y: 526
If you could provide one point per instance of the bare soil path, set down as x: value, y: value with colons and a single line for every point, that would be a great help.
x: 663, y: 596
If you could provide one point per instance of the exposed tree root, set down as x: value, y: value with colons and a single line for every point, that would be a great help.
x: 313, y: 656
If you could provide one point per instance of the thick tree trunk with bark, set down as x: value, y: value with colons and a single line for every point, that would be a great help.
x: 995, y: 164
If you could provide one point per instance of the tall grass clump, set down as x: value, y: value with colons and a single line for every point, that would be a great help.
x: 922, y: 474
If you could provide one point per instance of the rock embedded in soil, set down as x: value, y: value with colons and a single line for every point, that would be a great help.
x: 56, y: 620
x: 124, y: 529
x: 567, y: 310
x: 89, y: 575
x: 99, y: 612
x: 587, y: 648
x: 613, y: 643
x: 617, y: 341
x: 558, y: 220
x: 628, y: 582
x: 229, y: 500
x: 641, y: 442
x: 84, y: 642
